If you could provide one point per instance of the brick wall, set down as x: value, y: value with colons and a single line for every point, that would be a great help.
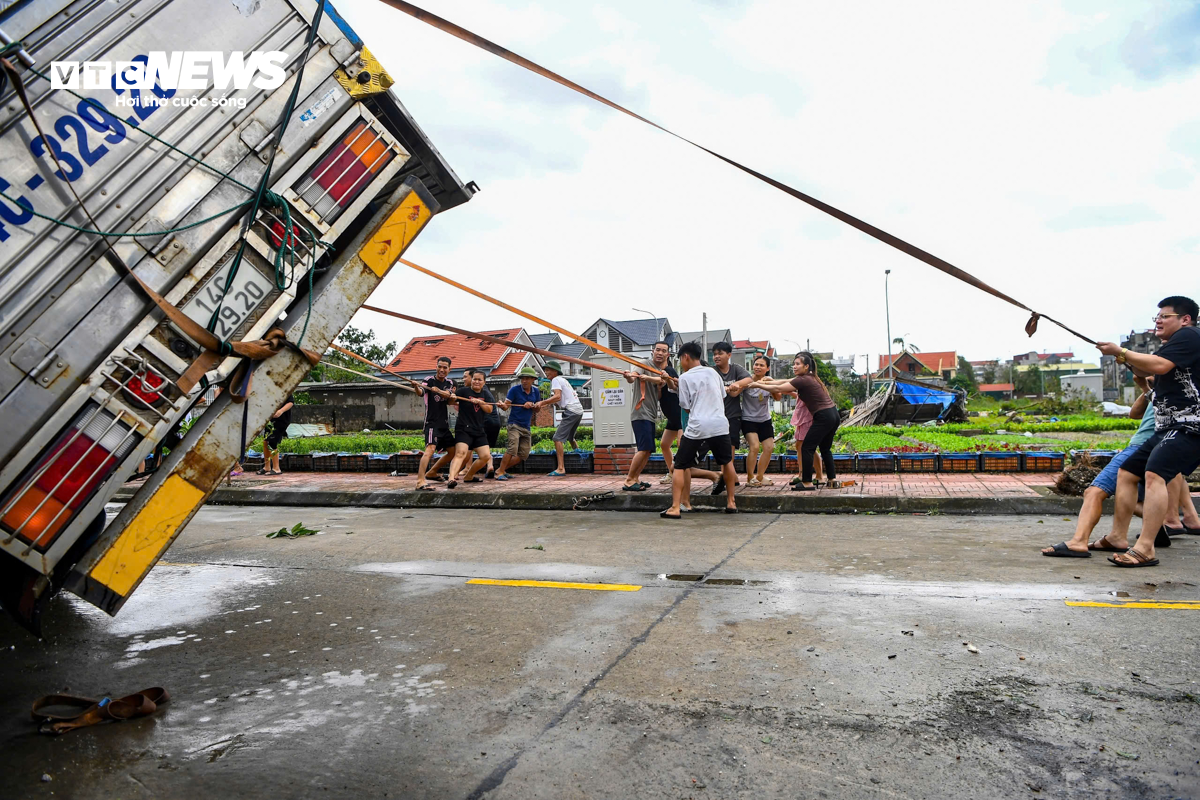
x: 344, y: 419
x: 612, y: 460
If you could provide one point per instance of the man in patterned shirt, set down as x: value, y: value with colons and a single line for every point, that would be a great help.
x: 1175, y: 447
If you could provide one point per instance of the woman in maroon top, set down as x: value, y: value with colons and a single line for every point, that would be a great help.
x: 810, y: 391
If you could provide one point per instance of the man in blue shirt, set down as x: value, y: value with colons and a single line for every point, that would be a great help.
x: 521, y: 402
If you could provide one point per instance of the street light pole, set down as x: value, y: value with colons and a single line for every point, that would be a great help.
x: 887, y: 308
x: 657, y: 327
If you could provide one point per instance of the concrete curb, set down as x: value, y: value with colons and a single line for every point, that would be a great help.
x: 1047, y: 503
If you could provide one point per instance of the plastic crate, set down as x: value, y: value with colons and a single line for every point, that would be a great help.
x: 876, y: 463
x: 253, y: 463
x: 843, y: 463
x: 578, y: 463
x: 1038, y: 461
x: 324, y: 462
x: 296, y: 462
x: 408, y: 462
x: 381, y: 462
x: 352, y: 462
x: 958, y: 462
x: 1098, y: 457
x: 739, y: 463
x: 917, y: 462
x: 776, y: 465
x: 1000, y: 462
x: 542, y: 463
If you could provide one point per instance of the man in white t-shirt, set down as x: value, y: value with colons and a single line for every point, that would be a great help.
x: 562, y: 394
x: 702, y: 393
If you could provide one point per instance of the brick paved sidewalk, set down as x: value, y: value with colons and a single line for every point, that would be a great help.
x: 918, y: 485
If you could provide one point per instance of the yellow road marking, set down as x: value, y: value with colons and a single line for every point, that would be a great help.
x: 597, y: 587
x: 1134, y: 603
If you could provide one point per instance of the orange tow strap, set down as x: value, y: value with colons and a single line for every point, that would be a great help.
x: 92, y: 712
x: 465, y: 35
x: 526, y: 315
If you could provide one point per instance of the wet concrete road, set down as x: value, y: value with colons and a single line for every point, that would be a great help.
x: 360, y: 663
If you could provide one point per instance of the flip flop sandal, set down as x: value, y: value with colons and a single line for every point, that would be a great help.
x: 556, y: 474
x: 277, y: 472
x: 644, y: 484
x: 718, y: 488
x: 438, y: 478
x: 503, y: 478
x: 799, y: 487
x: 263, y: 472
x: 1139, y: 560
x: 425, y: 488
x: 1102, y: 545
x: 1061, y: 550
x: 451, y: 484
x: 92, y: 712
x: 729, y: 510
x: 633, y: 487
x: 665, y: 515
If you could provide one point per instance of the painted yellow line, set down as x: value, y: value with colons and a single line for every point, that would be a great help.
x: 1133, y: 604
x: 598, y: 587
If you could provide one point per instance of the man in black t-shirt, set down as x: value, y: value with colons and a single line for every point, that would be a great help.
x: 438, y: 393
x: 1175, y: 447
x: 469, y: 432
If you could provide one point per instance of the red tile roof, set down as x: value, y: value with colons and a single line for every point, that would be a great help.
x: 934, y: 362
x: 995, y: 387
x: 422, y: 352
x: 750, y: 344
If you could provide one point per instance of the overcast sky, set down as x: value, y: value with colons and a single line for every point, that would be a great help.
x: 1051, y: 149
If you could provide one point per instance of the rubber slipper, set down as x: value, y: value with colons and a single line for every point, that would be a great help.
x: 491, y: 476
x: 799, y: 487
x: 556, y: 474
x: 451, y: 484
x: 425, y: 488
x: 718, y: 488
x: 503, y: 478
x: 729, y: 510
x: 438, y: 478
x: 263, y: 472
x: 633, y: 487
x: 665, y: 515
x: 1061, y: 550
x: 644, y: 484
x: 1139, y: 560
x: 1102, y: 545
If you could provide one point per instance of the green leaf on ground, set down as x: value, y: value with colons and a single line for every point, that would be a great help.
x: 295, y: 531
x: 535, y: 547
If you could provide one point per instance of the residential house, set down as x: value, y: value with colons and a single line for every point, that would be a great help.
x: 1043, y: 359
x: 578, y: 376
x: 713, y: 336
x: 935, y: 367
x: 998, y: 391
x: 633, y: 337
x: 980, y: 368
x: 746, y: 350
x: 844, y: 366
x: 418, y: 359
x: 1144, y: 342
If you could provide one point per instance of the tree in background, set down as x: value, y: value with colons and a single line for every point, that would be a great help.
x: 1028, y: 381
x: 363, y: 343
x: 964, y: 377
x: 856, y: 388
x: 989, y: 375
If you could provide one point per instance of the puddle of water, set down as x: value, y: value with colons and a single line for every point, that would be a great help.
x: 174, y: 597
x: 682, y: 576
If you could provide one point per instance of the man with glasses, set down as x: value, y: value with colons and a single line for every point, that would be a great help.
x: 438, y: 394
x: 1174, y: 449
x: 645, y: 413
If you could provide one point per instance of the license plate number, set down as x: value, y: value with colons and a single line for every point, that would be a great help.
x: 250, y: 287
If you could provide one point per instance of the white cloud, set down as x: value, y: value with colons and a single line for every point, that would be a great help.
x: 1018, y: 141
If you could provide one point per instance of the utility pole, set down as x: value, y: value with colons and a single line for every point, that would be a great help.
x: 887, y: 308
x: 704, y: 336
x: 867, y: 359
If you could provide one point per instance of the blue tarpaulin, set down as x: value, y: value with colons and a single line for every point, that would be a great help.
x: 922, y: 395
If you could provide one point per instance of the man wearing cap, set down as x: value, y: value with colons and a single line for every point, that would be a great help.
x: 521, y: 401
x: 563, y: 396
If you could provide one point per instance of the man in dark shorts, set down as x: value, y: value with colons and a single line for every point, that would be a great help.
x: 1174, y: 449
x: 644, y: 414
x: 469, y: 433
x: 702, y: 393
x: 279, y: 424
x: 491, y: 422
x: 437, y: 391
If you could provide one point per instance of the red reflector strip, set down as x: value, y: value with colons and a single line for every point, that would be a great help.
x: 66, y: 476
x: 338, y: 178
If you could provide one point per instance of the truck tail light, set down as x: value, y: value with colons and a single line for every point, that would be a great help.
x: 145, y: 386
x: 338, y: 178
x: 62, y: 481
